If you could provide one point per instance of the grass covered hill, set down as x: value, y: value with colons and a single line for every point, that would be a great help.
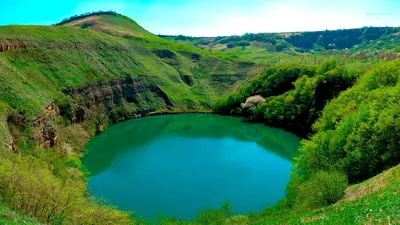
x: 304, y: 41
x: 367, y: 43
x: 108, y: 22
x: 40, y: 63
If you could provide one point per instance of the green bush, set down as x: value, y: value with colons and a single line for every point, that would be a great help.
x: 282, y: 45
x: 321, y: 189
x: 28, y: 185
x: 217, y: 216
x: 228, y: 105
x: 240, y: 43
x: 64, y: 103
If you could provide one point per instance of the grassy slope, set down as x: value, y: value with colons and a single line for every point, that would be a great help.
x: 116, y: 25
x: 31, y: 76
x: 258, y: 51
x: 375, y: 201
x: 261, y: 55
x: 11, y: 217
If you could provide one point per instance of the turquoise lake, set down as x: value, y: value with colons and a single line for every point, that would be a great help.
x: 178, y: 165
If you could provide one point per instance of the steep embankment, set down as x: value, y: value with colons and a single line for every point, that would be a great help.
x: 62, y: 57
x: 374, y: 201
x: 103, y: 71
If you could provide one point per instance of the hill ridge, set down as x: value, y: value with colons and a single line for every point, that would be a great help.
x: 108, y: 22
x: 84, y: 15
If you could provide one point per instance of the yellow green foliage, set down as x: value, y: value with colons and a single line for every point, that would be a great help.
x: 28, y: 185
x: 5, y: 136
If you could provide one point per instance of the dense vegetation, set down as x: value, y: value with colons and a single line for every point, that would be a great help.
x: 340, y: 100
x: 354, y: 138
x: 358, y: 132
x: 369, y: 44
x: 307, y: 41
x: 295, y: 95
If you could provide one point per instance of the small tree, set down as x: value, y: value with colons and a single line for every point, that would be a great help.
x: 321, y: 189
x: 64, y: 103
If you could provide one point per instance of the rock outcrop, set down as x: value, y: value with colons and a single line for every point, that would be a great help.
x: 46, y: 132
x: 141, y: 92
x: 11, y: 45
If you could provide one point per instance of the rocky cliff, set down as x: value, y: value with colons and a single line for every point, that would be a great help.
x: 142, y: 95
x: 9, y: 45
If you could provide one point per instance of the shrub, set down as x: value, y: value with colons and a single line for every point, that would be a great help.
x: 217, y: 216
x: 64, y: 103
x: 321, y: 189
x: 282, y: 45
x: 240, y: 43
x: 28, y: 185
x: 228, y: 105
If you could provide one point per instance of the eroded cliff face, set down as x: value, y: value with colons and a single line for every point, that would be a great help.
x: 141, y: 94
x: 45, y: 130
x: 9, y: 45
x: 94, y: 103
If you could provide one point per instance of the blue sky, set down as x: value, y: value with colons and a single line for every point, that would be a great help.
x: 215, y: 17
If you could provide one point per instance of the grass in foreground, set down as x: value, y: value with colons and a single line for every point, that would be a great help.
x: 11, y: 217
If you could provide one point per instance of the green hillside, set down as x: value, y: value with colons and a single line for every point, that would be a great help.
x: 110, y: 23
x: 372, y: 44
x: 63, y: 84
x: 33, y: 72
x: 10, y: 217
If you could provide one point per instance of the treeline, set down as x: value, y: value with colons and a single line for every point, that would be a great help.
x: 239, y: 43
x: 84, y: 15
x: 187, y: 39
x: 261, y: 37
x: 318, y: 41
x: 339, y: 39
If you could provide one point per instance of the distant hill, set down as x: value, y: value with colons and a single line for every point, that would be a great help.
x: 305, y: 41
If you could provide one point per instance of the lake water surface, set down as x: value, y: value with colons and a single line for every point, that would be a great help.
x: 178, y: 165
